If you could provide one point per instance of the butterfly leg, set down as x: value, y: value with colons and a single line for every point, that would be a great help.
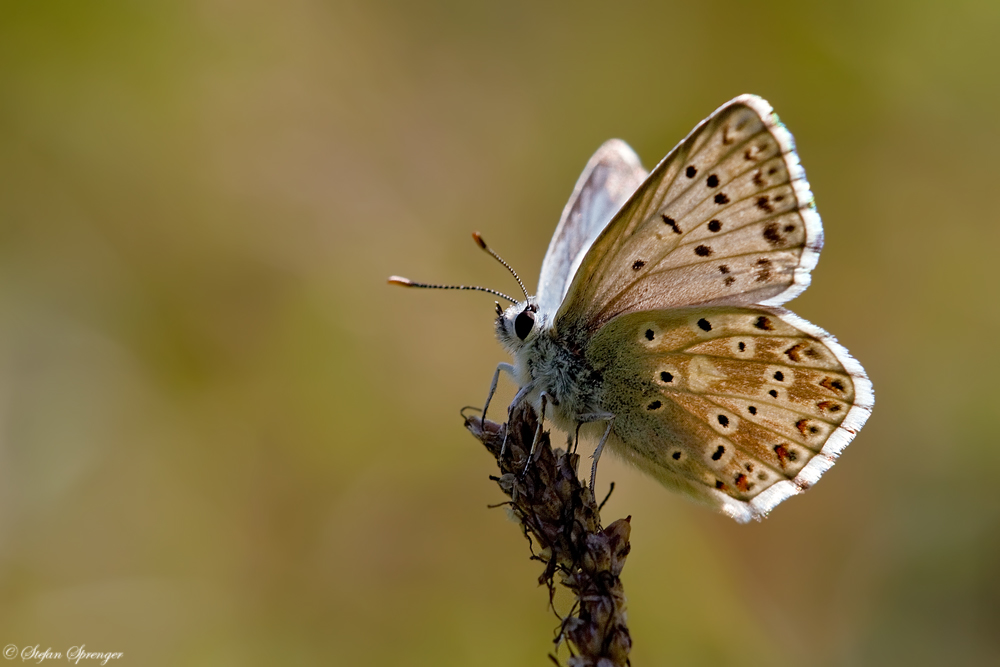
x: 597, y: 454
x: 538, y: 433
x: 506, y: 368
x: 521, y: 393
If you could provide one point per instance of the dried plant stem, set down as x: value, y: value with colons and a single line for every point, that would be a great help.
x: 558, y: 512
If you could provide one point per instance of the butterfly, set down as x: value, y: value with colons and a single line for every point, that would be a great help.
x: 657, y: 328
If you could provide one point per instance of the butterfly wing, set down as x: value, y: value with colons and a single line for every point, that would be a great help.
x: 741, y: 408
x: 726, y: 218
x: 610, y: 177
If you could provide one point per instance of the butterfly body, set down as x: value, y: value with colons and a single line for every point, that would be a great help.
x: 550, y: 363
x: 657, y: 325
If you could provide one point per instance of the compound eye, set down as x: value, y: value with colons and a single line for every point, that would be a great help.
x: 523, y: 324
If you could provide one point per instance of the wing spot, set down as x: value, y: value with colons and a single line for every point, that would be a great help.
x: 723, y: 269
x: 758, y: 179
x: 829, y: 406
x: 655, y: 405
x: 638, y: 264
x: 773, y: 393
x: 720, y: 485
x: 805, y: 428
x: 779, y: 376
x: 772, y: 234
x: 833, y: 384
x: 779, y: 198
x: 742, y: 346
x: 666, y: 377
x: 772, y: 171
x: 762, y: 323
x: 764, y: 204
x: 794, y: 351
x: 742, y: 484
x: 729, y: 281
x: 670, y: 222
x: 789, y: 228
x: 691, y: 172
x: 703, y: 251
x: 721, y: 199
x: 676, y: 456
x: 712, y: 181
x: 714, y: 226
x: 718, y: 453
x: 724, y: 421
x: 752, y: 410
x: 704, y: 324
x: 649, y: 334
x: 784, y: 455
x: 765, y: 270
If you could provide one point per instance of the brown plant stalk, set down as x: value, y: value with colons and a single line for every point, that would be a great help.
x: 559, y: 514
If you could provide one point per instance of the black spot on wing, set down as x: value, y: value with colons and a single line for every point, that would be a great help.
x: 833, y: 384
x: 763, y: 323
x: 691, y: 172
x: 703, y: 251
x: 638, y: 264
x: 721, y: 199
x: 772, y: 234
x: 670, y: 222
x: 666, y: 377
x: 763, y: 270
x: 712, y: 181
x: 805, y: 428
x: 704, y: 325
x: 714, y: 226
x: 717, y: 454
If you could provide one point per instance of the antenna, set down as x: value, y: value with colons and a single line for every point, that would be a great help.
x: 482, y: 244
x: 406, y: 282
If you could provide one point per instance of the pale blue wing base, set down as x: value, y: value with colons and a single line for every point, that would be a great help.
x: 609, y: 179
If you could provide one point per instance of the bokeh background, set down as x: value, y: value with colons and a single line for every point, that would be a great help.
x: 225, y: 441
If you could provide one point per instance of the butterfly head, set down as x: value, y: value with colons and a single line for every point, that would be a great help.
x: 518, y: 323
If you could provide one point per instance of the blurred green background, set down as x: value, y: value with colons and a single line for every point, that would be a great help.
x: 225, y: 441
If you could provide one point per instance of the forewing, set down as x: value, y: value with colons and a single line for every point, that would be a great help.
x: 726, y: 218
x: 739, y: 407
x: 610, y: 177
